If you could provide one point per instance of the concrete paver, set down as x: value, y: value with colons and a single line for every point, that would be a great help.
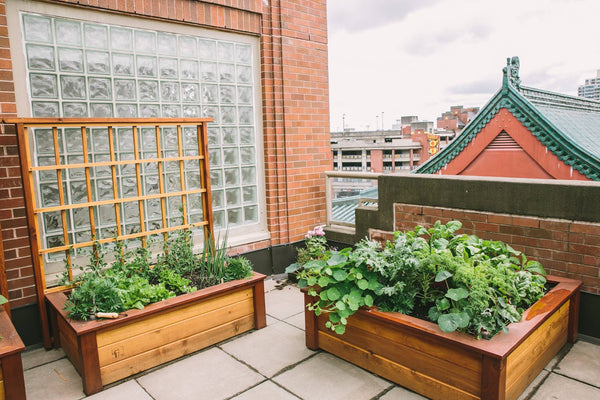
x: 327, y: 377
x: 582, y: 363
x: 557, y: 387
x: 271, y: 349
x: 129, y: 390
x: 296, y: 320
x: 40, y: 356
x: 57, y: 380
x: 266, y: 391
x: 211, y: 374
x: 399, y: 393
x: 285, y: 302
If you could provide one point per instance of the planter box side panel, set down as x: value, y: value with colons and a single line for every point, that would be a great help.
x: 132, y: 348
x: 414, y: 361
x: 533, y: 354
x: 2, y: 395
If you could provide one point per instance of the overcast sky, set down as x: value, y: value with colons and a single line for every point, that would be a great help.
x: 419, y: 57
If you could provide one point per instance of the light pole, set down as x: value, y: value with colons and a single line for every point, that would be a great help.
x: 343, y: 122
x: 382, y: 128
x: 377, y: 123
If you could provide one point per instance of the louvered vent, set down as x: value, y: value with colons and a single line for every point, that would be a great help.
x: 503, y: 142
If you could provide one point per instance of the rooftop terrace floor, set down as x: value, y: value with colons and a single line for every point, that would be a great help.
x: 274, y: 363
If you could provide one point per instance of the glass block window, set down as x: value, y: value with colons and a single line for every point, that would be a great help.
x: 86, y: 69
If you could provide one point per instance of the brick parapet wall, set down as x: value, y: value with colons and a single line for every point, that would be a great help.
x: 295, y: 107
x: 564, y: 247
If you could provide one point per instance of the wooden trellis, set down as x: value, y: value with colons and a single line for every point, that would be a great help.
x: 177, y: 159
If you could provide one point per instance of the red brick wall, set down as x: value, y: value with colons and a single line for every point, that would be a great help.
x: 294, y: 77
x: 565, y: 248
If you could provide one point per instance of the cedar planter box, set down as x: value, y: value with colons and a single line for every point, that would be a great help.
x: 105, y: 351
x: 12, y: 383
x: 416, y: 354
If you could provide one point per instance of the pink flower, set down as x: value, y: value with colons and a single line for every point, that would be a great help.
x: 319, y: 231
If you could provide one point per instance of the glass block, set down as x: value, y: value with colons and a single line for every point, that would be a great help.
x: 104, y: 189
x: 131, y: 211
x: 44, y: 141
x: 195, y: 218
x: 54, y: 241
x: 81, y: 217
x: 248, y: 175
x: 169, y: 138
x: 218, y: 198
x: 148, y: 139
x: 246, y: 116
x: 52, y: 222
x: 207, y: 49
x: 40, y: 57
x: 244, y: 94
x: 125, y: 89
x: 251, y: 214
x: 147, y: 66
x: 78, y: 192
x: 189, y: 92
x: 174, y: 205
x: 153, y: 225
x: 76, y: 173
x: 208, y: 72
x: 70, y: 60
x: 171, y: 111
x: 225, y: 51
x: 234, y: 216
x: 67, y: 32
x: 226, y: 73
x: 247, y: 155
x: 214, y: 156
x: 126, y: 169
x: 211, y: 112
x: 148, y: 90
x: 122, y: 64
x: 151, y: 184
x: 193, y: 165
x: 214, y: 138
x: 191, y: 111
x: 188, y: 47
x: 149, y: 111
x: 249, y: 194
x: 246, y: 135
x: 125, y: 139
x: 101, y: 110
x: 219, y: 219
x: 109, y: 232
x: 230, y: 156
x: 169, y: 91
x: 192, y: 180
x: 243, y: 53
x: 50, y: 175
x: 43, y: 85
x: 189, y: 70
x: 168, y: 68
x: 107, y: 214
x: 104, y: 170
x: 99, y: 139
x: 230, y: 136
x: 96, y: 36
x: 153, y: 210
x: 228, y: 115
x: 100, y: 88
x: 97, y: 62
x: 75, y: 110
x: 226, y: 94
x: 150, y: 168
x: 216, y: 178
x: 167, y: 44
x: 232, y: 176
x: 121, y: 39
x: 190, y: 138
x: 129, y: 187
x: 209, y: 93
x: 194, y: 202
x: 73, y: 140
x: 171, y: 165
x: 45, y: 109
x: 37, y: 28
x: 83, y: 237
x: 73, y: 87
x: 244, y: 74
x: 233, y: 196
x: 126, y: 110
x: 173, y: 183
x: 145, y: 42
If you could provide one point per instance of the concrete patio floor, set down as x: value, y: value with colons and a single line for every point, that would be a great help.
x: 274, y: 363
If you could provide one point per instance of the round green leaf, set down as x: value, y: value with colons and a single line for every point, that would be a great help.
x: 335, y: 318
x: 434, y: 314
x: 336, y: 259
x: 442, y: 275
x: 290, y: 269
x: 340, y: 305
x: 369, y: 300
x: 339, y: 275
x: 448, y: 322
x: 457, y: 294
x: 462, y: 319
x: 333, y: 293
x: 323, y: 281
x: 340, y: 329
x: 311, y: 280
x: 443, y: 304
x: 363, y: 284
x: 302, y: 283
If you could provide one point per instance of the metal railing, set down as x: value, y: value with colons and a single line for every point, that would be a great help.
x: 345, y: 191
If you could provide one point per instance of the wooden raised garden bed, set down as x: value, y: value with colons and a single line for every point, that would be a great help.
x: 12, y: 383
x: 416, y: 354
x: 105, y: 351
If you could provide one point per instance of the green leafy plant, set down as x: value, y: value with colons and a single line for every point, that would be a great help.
x: 237, y: 268
x: 315, y: 249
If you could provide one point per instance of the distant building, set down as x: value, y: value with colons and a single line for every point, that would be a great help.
x: 591, y: 88
x: 456, y: 119
x: 524, y: 132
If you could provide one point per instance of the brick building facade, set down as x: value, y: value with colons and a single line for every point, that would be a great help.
x: 290, y: 103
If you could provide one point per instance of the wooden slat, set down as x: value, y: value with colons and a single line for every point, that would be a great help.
x: 113, y: 163
x: 113, y: 175
x: 400, y: 374
x: 90, y: 369
x: 147, y: 340
x: 528, y: 360
x: 181, y: 174
x: 207, y: 213
x: 105, y: 338
x: 161, y: 181
x: 68, y: 341
x: 171, y: 351
x: 78, y: 122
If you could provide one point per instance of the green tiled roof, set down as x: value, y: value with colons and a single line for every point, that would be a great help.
x: 568, y: 126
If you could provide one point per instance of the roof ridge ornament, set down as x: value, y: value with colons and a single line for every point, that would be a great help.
x: 511, y: 73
